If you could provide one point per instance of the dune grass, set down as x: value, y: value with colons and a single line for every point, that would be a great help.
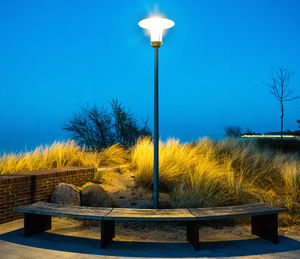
x: 199, y: 174
x: 216, y: 173
x: 61, y: 154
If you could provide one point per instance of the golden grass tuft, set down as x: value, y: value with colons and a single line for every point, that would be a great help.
x: 61, y: 154
x: 216, y: 173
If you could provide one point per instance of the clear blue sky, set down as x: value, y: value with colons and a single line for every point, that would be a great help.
x: 214, y: 64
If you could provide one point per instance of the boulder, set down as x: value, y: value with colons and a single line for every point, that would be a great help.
x: 67, y: 194
x: 93, y: 195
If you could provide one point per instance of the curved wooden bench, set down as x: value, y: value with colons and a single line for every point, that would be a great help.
x: 37, y: 218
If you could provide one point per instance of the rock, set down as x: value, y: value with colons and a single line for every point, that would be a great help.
x: 93, y: 195
x: 66, y: 194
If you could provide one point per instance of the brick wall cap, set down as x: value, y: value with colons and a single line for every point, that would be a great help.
x: 57, y: 170
x: 10, y: 176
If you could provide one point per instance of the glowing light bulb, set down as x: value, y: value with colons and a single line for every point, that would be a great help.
x: 156, y: 26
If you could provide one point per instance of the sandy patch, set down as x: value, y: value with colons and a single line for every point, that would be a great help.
x: 120, y: 185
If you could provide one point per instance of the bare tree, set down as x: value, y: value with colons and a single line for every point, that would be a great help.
x: 280, y: 88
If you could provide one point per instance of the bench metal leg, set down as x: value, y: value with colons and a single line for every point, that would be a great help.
x: 35, y: 223
x: 107, y: 232
x: 266, y: 226
x: 192, y: 233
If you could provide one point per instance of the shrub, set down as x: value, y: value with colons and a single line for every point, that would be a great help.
x: 282, y: 145
x: 233, y: 131
x: 96, y: 129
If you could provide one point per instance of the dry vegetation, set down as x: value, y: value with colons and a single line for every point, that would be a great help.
x: 215, y: 173
x: 61, y: 154
x: 201, y: 174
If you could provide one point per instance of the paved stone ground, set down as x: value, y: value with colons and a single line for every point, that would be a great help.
x: 72, y: 239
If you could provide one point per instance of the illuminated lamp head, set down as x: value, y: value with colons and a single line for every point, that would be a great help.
x: 156, y: 26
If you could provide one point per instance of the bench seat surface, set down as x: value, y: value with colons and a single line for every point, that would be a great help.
x: 58, y: 210
x: 150, y: 214
x: 255, y: 209
x: 192, y: 214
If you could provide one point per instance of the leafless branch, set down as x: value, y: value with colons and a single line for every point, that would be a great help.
x: 280, y: 83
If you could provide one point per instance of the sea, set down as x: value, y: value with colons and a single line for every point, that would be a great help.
x: 21, y: 143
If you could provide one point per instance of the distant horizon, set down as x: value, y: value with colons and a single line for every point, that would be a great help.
x: 27, y: 143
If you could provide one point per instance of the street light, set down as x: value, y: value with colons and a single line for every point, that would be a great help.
x: 156, y: 26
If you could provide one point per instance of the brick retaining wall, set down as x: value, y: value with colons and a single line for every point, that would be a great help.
x: 29, y: 187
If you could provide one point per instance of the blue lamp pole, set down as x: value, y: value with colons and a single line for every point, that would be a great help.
x: 156, y: 25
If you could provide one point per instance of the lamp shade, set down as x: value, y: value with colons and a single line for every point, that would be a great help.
x: 156, y: 26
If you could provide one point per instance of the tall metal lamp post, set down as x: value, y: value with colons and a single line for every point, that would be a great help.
x: 156, y: 26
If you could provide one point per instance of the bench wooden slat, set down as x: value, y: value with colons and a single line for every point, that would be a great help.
x: 58, y: 210
x: 255, y: 209
x: 150, y: 214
